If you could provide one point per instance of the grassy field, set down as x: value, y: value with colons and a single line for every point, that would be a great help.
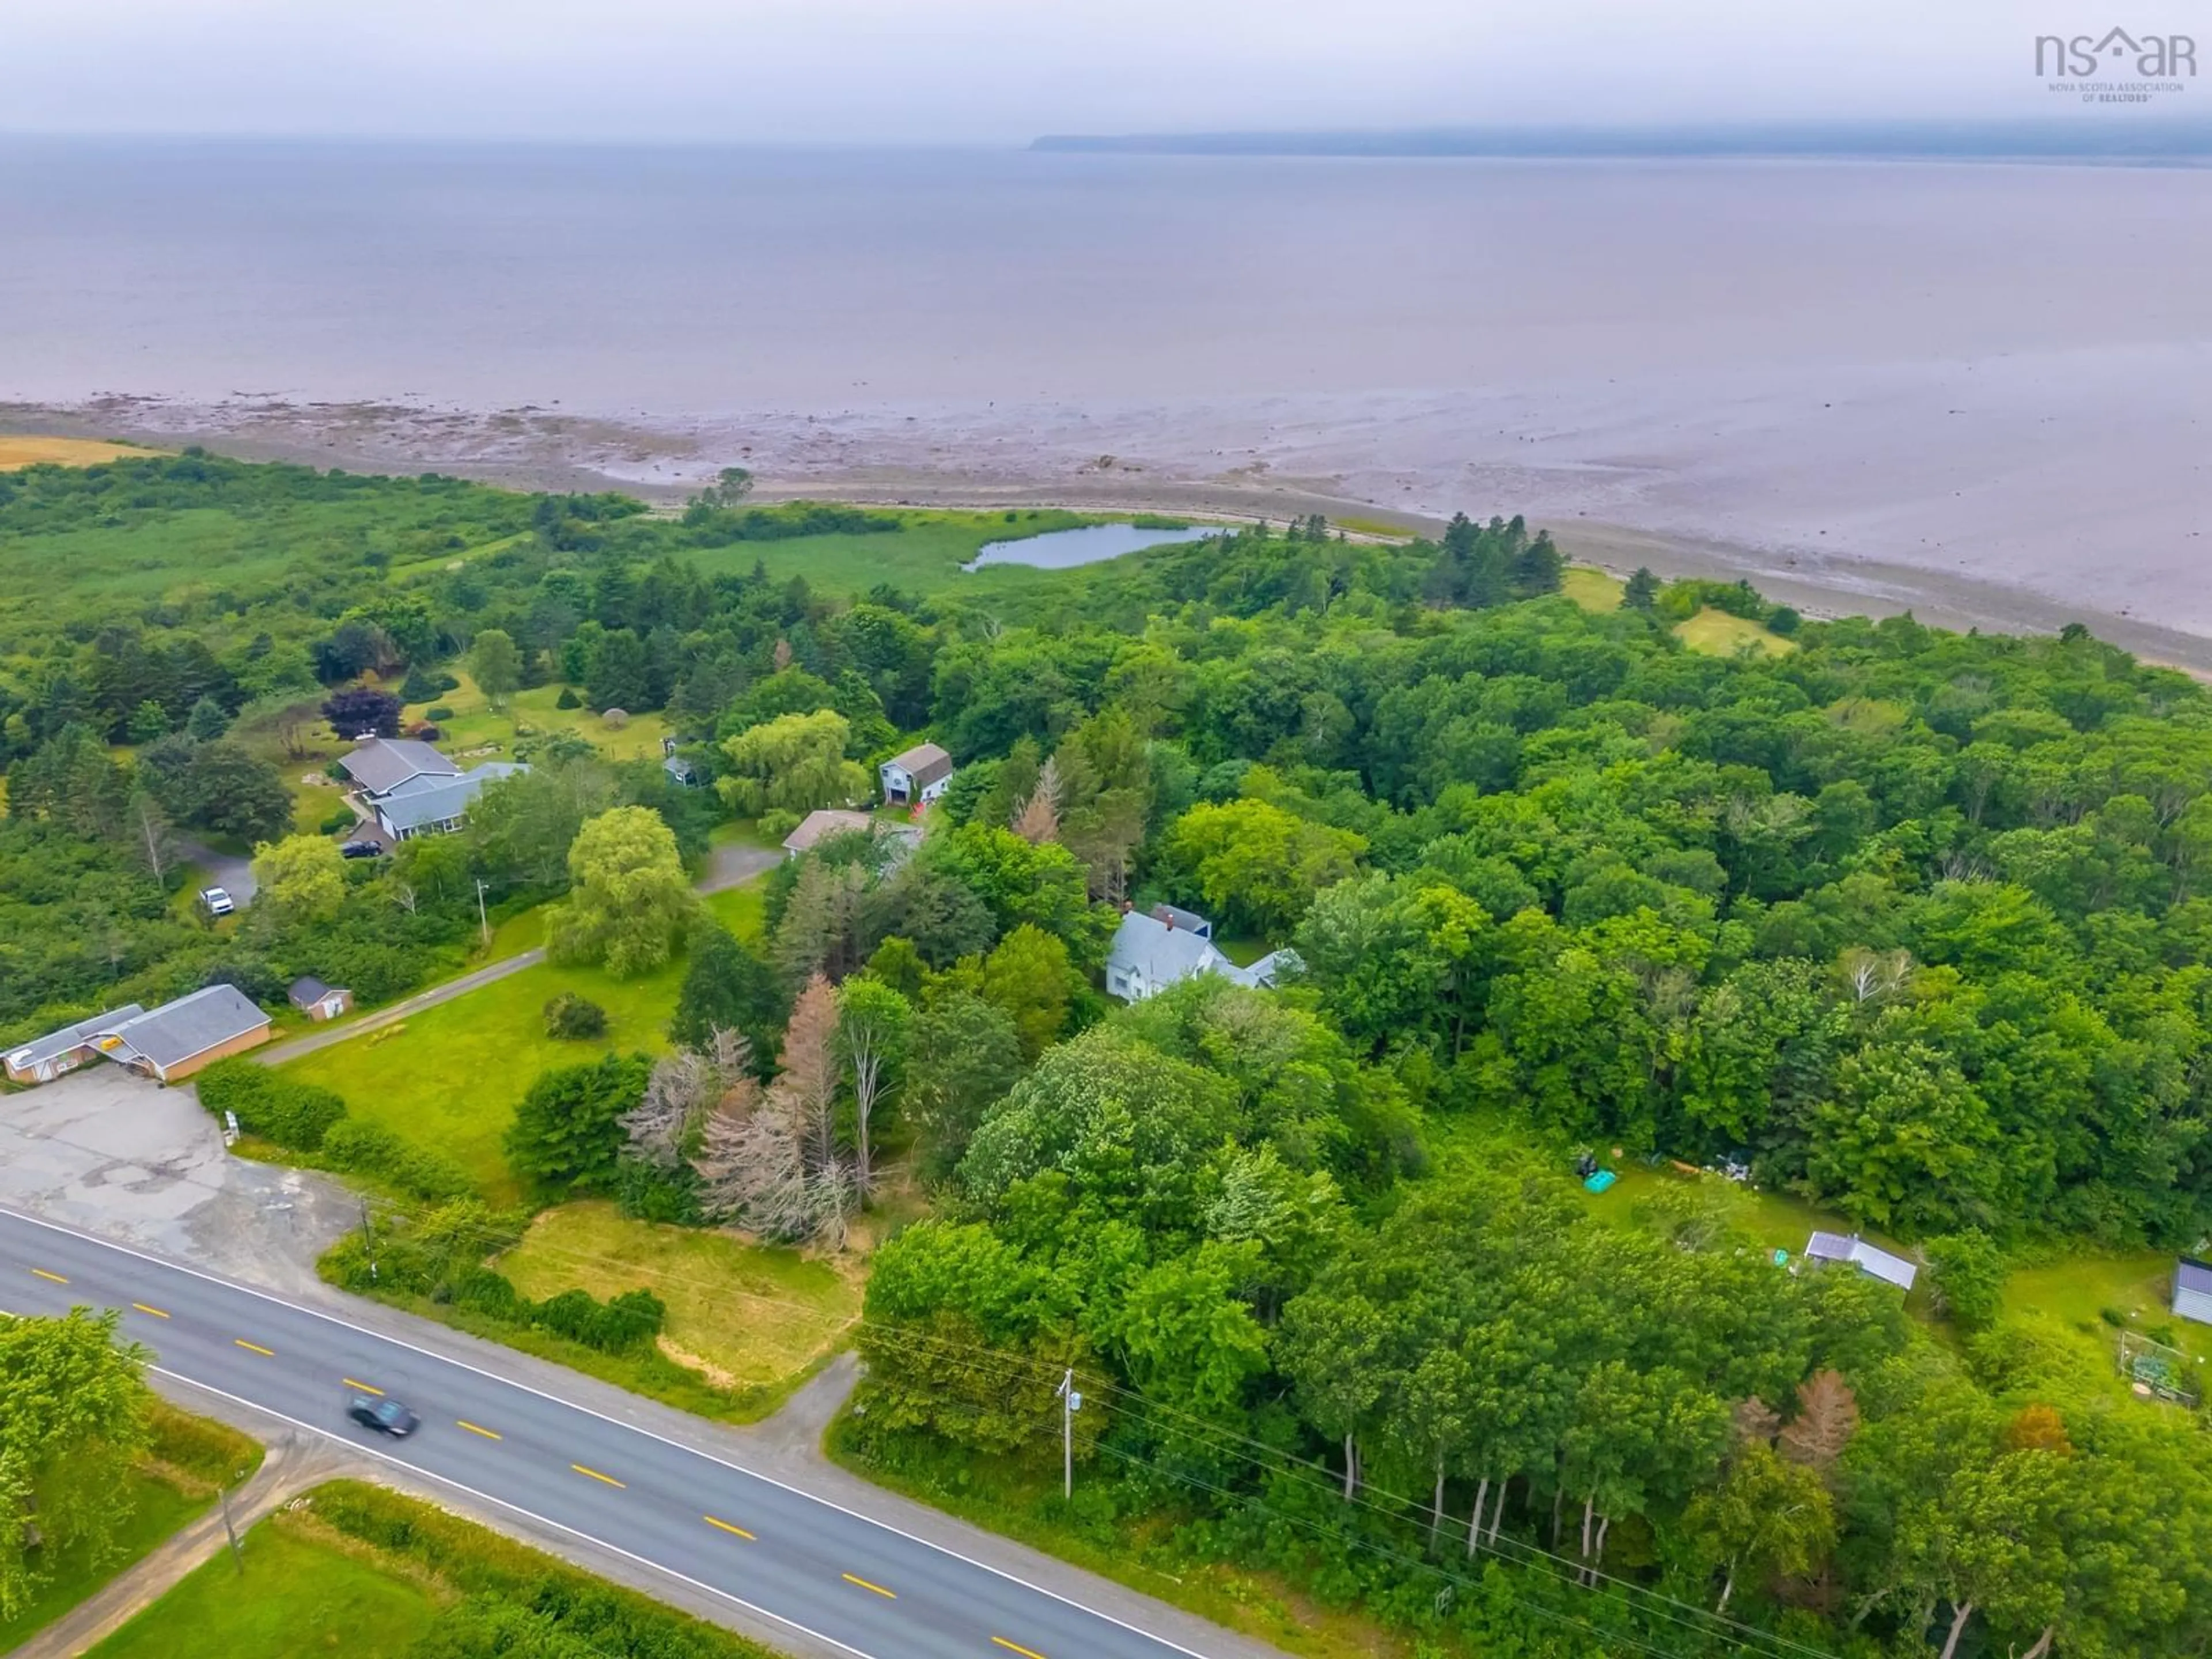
x: 191, y: 1457
x: 923, y: 557
x: 38, y: 449
x: 1719, y: 633
x: 477, y: 732
x: 450, y: 1076
x: 1592, y: 589
x: 302, y: 1592
x: 745, y: 1316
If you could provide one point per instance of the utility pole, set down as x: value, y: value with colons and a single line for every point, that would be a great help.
x: 484, y: 922
x: 237, y: 1555
x: 1070, y: 1402
x: 369, y: 1237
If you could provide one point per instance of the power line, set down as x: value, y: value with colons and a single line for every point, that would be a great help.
x: 1160, y: 1420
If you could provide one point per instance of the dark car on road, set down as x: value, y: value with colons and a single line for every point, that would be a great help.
x: 386, y: 1416
x: 360, y: 849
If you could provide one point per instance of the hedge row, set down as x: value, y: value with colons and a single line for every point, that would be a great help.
x: 519, y: 1602
x: 302, y: 1117
x: 405, y: 1262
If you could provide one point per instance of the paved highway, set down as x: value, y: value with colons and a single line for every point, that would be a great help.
x: 846, y: 1581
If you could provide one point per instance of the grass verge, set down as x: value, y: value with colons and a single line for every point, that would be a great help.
x: 1590, y: 588
x: 1139, y: 1551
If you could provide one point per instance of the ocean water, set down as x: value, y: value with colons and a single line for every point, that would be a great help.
x: 1999, y: 371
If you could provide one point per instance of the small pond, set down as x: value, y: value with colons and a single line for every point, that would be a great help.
x: 1059, y: 550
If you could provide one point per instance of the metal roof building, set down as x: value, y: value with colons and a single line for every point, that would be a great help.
x: 1871, y: 1260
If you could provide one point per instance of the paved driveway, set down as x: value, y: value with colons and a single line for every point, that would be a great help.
x: 123, y: 1156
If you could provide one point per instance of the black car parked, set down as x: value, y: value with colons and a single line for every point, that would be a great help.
x: 360, y: 849
x: 386, y: 1416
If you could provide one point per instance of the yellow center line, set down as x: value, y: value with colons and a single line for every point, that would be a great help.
x: 489, y: 1434
x: 143, y: 1308
x: 736, y: 1531
x: 254, y: 1347
x: 42, y: 1273
x: 866, y: 1585
x: 1015, y: 1647
x: 595, y: 1474
x: 366, y: 1387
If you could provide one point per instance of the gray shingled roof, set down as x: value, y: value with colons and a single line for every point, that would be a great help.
x: 190, y: 1025
x: 382, y: 765
x: 450, y: 799
x: 924, y: 764
x: 2190, y: 1274
x: 71, y: 1036
x: 307, y: 989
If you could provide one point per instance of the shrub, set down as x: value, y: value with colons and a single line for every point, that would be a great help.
x: 295, y: 1116
x: 574, y: 1018
x: 441, y: 712
x: 342, y: 819
x: 2114, y: 1318
x: 372, y: 1149
x: 567, y: 699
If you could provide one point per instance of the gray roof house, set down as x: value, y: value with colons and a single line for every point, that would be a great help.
x: 49, y: 1056
x: 1152, y: 951
x: 916, y: 775
x: 178, y: 1038
x: 823, y: 822
x: 2192, y: 1289
x: 383, y: 766
x: 425, y: 805
x: 1875, y: 1262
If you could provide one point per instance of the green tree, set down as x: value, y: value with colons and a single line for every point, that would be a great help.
x: 631, y: 903
x: 148, y: 720
x: 873, y: 1024
x: 965, y: 1055
x: 302, y: 878
x: 728, y: 987
x: 495, y: 664
x: 1767, y: 1519
x: 73, y: 1418
x: 1966, y: 1274
x: 1257, y: 866
x: 207, y: 721
x: 792, y: 764
x: 568, y: 1136
x: 1641, y: 591
x: 1027, y: 975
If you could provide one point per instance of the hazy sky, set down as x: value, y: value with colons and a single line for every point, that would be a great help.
x: 1003, y: 70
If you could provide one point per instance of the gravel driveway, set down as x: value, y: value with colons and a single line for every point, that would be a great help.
x: 122, y: 1157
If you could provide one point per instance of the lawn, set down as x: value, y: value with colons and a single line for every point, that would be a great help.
x: 301, y: 1592
x: 450, y: 1076
x: 177, y: 1481
x: 1590, y: 588
x: 37, y: 449
x: 477, y: 732
x: 745, y: 1316
x: 2067, y: 1301
x: 741, y: 910
x: 1720, y: 634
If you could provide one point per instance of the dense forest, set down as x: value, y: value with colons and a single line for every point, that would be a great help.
x: 1911, y: 923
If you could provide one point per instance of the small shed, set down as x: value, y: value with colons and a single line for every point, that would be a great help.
x: 2192, y: 1289
x: 1870, y: 1260
x: 317, y: 1000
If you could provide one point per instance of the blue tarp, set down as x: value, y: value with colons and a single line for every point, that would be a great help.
x: 1600, y: 1182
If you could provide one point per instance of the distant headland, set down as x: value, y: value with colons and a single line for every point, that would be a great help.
x: 2152, y: 141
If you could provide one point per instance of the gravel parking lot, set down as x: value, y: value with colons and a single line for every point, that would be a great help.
x: 122, y: 1157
